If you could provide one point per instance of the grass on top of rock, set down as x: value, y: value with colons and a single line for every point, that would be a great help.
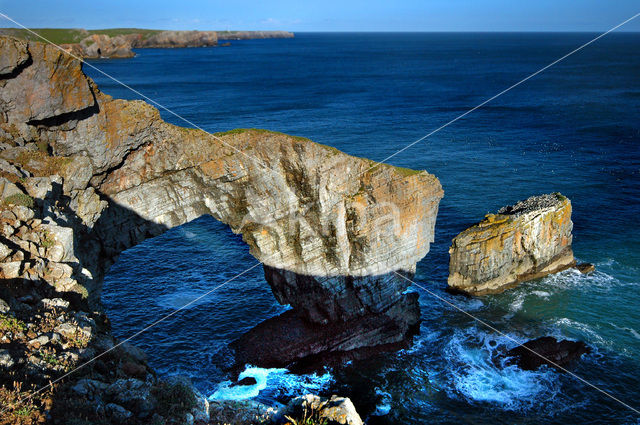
x: 11, y: 324
x: 404, y: 172
x: 41, y: 164
x: 259, y: 131
x: 19, y: 199
x: 331, y: 149
x: 309, y: 416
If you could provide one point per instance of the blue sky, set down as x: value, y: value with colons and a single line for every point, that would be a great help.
x: 328, y: 15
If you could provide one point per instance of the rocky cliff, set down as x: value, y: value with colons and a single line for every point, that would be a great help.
x: 249, y: 35
x: 118, y: 43
x: 84, y: 177
x: 528, y: 240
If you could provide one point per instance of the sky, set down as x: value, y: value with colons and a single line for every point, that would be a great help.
x: 327, y: 15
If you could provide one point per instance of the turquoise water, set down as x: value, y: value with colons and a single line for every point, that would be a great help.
x: 573, y: 129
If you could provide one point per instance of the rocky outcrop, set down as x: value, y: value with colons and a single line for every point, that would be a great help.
x: 318, y: 410
x: 101, y: 45
x: 249, y: 35
x: 171, y: 39
x: 528, y: 240
x: 547, y: 351
x: 87, y: 176
x: 120, y: 46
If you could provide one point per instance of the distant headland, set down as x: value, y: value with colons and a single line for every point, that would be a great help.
x: 119, y: 42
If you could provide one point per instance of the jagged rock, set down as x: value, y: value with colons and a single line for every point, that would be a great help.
x: 128, y: 350
x: 11, y: 269
x: 314, y: 409
x: 528, y: 240
x: 293, y: 342
x: 166, y: 39
x: 117, y: 414
x: 8, y: 189
x: 246, y: 35
x: 560, y: 353
x: 22, y: 213
x: 586, y: 268
x: 55, y: 303
x: 14, y: 55
x: 6, y: 361
x: 4, y: 306
x: 102, y: 45
x: 51, y: 86
x: 240, y: 412
x: 134, y: 395
x: 247, y: 380
x: 88, y: 387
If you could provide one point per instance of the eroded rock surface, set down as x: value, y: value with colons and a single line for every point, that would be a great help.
x: 547, y: 351
x: 528, y: 240
x: 85, y: 176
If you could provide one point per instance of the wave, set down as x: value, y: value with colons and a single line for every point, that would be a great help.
x: 278, y: 382
x: 478, y: 376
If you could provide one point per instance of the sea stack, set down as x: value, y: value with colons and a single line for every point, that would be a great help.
x: 525, y: 241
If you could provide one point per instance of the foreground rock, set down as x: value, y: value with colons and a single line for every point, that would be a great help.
x: 85, y: 177
x: 311, y: 409
x: 556, y: 353
x: 526, y: 241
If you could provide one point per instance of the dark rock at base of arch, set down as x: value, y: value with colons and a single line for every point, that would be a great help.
x: 292, y: 340
x: 333, y: 299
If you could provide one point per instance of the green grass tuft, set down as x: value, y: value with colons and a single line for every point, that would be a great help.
x: 19, y: 199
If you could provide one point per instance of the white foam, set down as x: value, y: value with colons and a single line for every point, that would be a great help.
x: 542, y: 294
x: 278, y: 380
x: 384, y: 406
x: 475, y: 376
x: 516, y: 305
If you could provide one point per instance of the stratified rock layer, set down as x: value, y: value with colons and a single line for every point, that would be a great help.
x: 528, y: 240
x: 84, y: 177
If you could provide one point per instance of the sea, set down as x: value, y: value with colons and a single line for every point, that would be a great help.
x: 574, y: 129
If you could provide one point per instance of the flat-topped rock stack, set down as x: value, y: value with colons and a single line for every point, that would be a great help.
x: 525, y: 241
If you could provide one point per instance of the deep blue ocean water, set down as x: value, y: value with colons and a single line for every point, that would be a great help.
x: 573, y: 129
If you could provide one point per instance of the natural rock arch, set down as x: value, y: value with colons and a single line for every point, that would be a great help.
x: 331, y: 229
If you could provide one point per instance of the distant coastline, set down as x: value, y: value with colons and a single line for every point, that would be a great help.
x: 119, y: 42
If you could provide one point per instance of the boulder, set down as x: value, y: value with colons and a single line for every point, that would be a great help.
x: 556, y: 353
x: 586, y: 268
x: 314, y: 409
x: 526, y: 241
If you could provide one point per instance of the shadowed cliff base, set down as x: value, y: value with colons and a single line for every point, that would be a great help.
x: 293, y: 341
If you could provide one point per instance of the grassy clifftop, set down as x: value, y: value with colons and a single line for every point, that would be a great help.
x: 71, y: 35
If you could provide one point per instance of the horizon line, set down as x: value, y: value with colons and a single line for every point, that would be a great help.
x: 330, y: 31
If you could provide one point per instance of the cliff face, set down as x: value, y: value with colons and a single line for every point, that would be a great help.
x: 85, y: 176
x: 104, y: 46
x: 248, y: 35
x: 528, y: 240
x: 179, y: 39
